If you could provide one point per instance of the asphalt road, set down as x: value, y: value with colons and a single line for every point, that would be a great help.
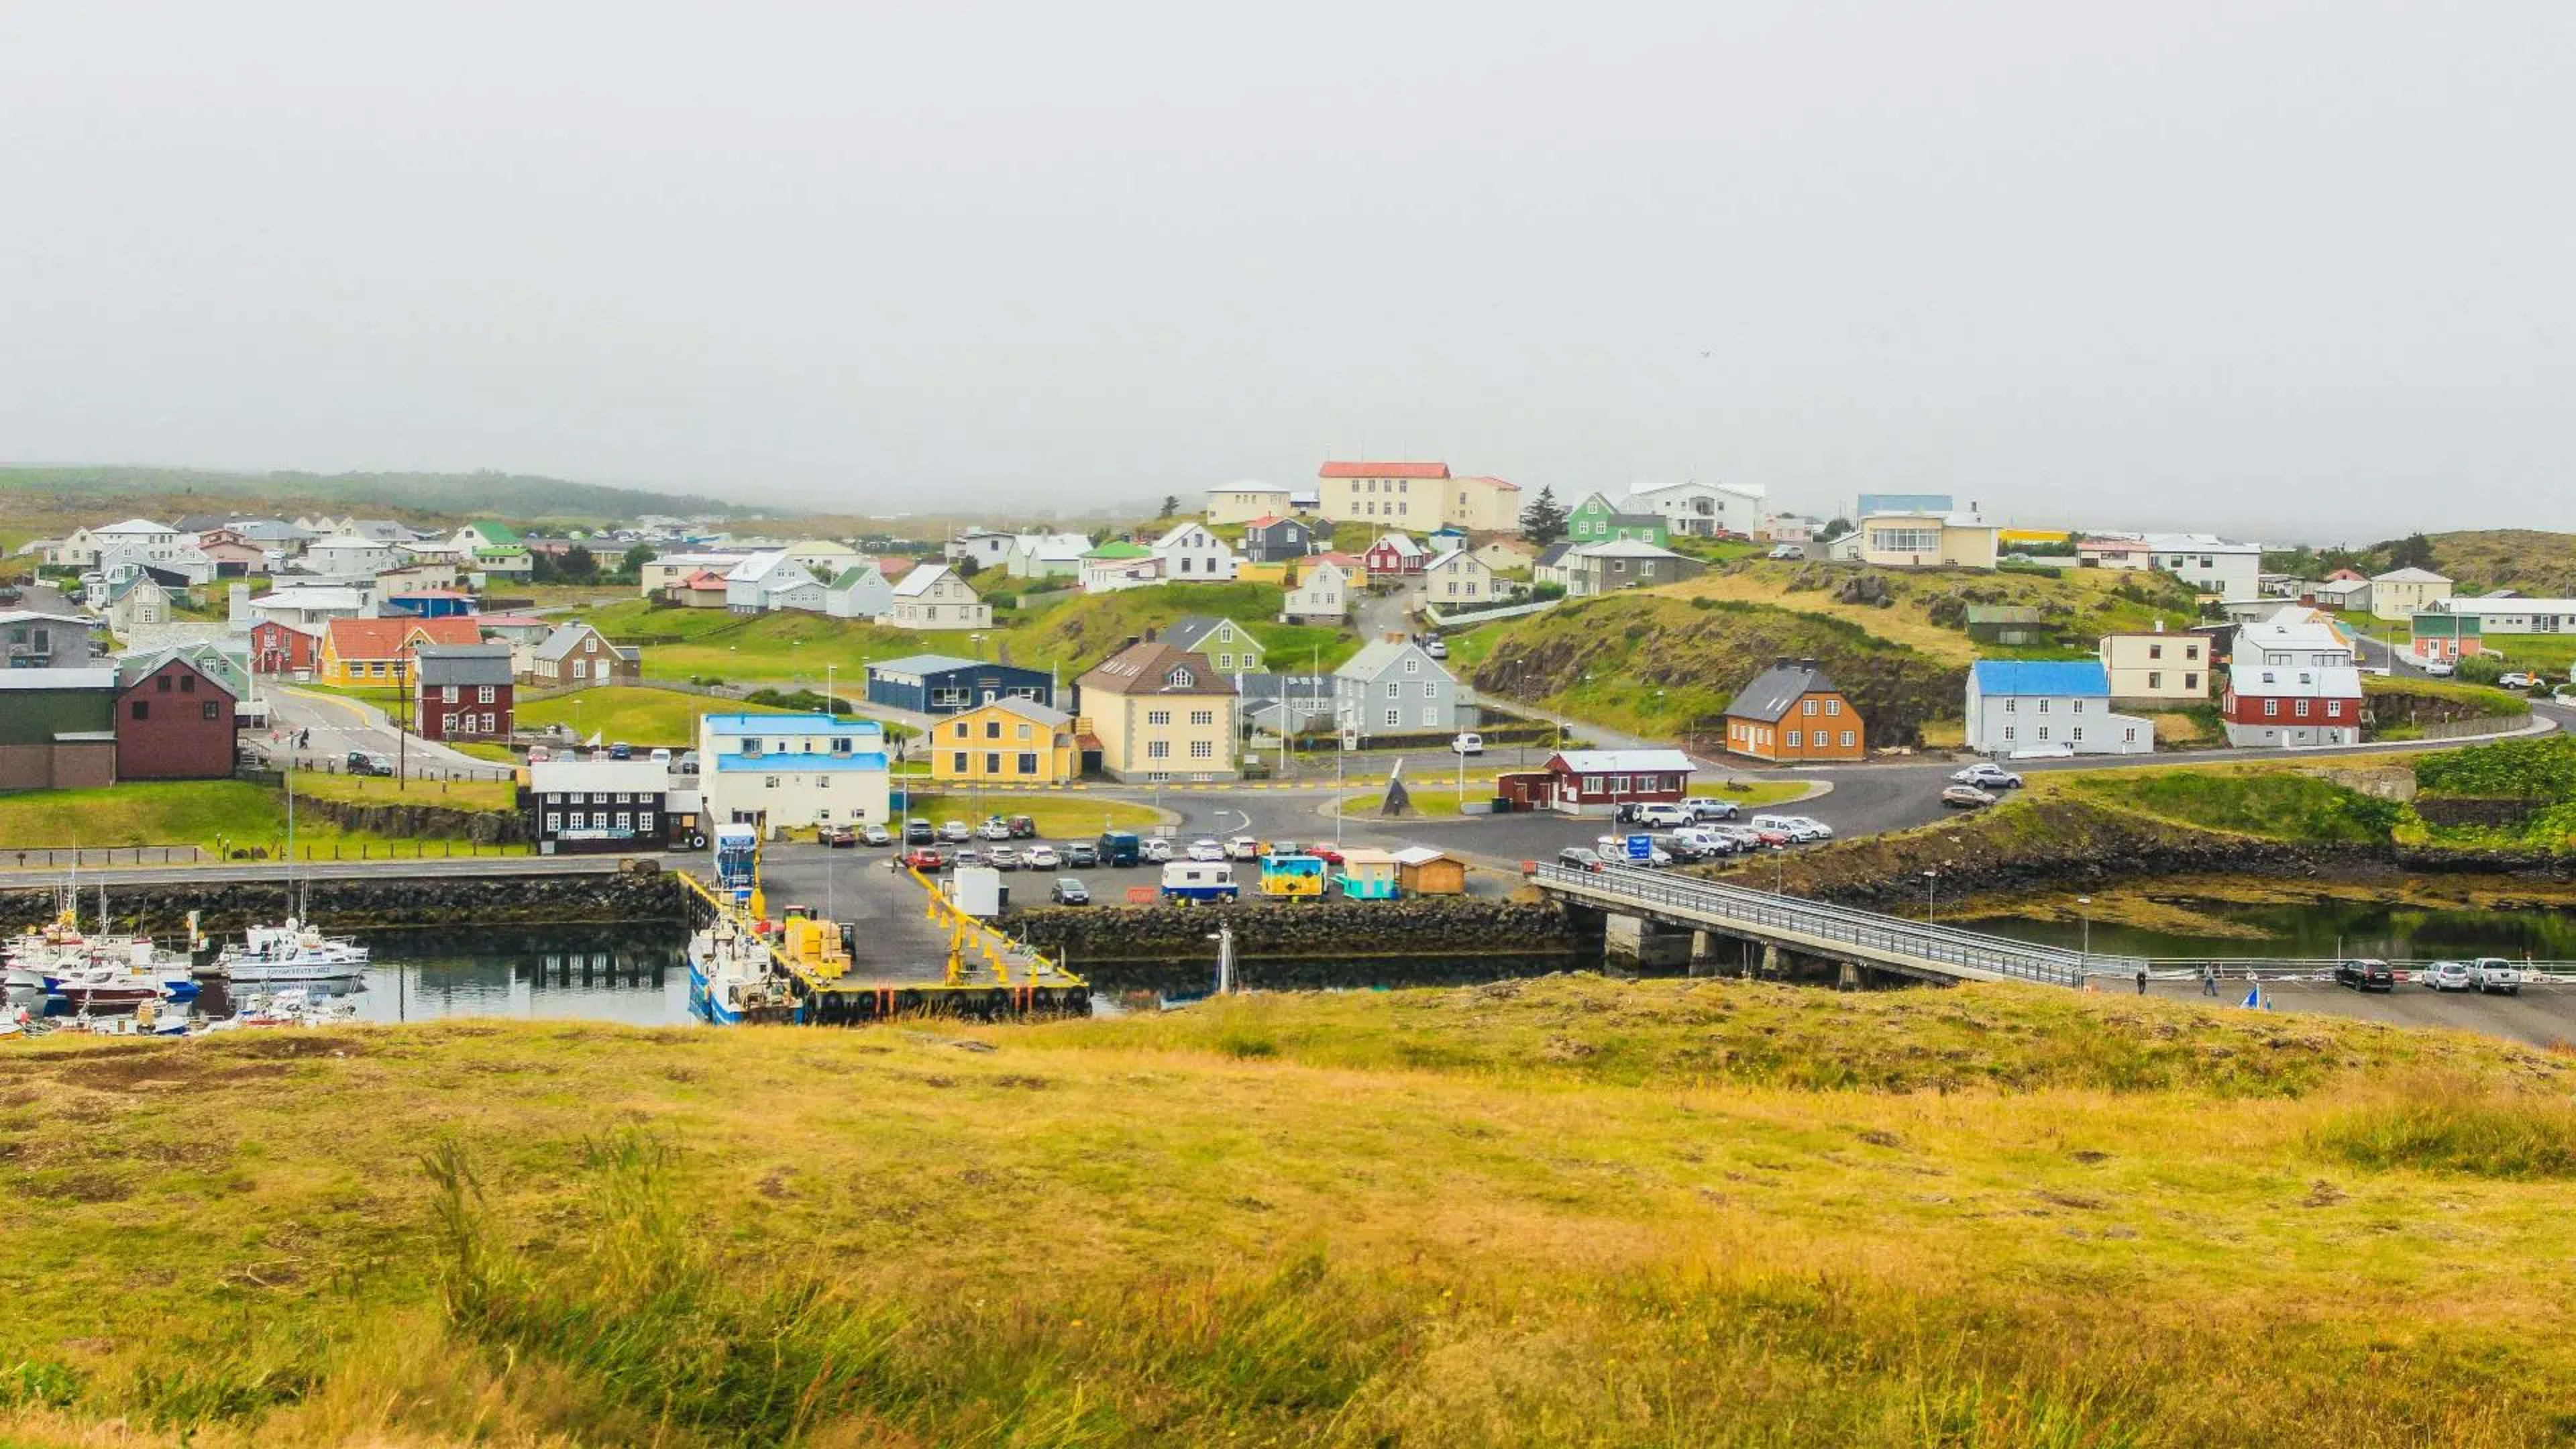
x: 2540, y: 1016
x: 339, y: 726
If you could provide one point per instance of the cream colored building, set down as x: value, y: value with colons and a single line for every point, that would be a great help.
x: 823, y: 558
x: 1159, y: 713
x: 1482, y: 504
x: 1457, y: 580
x: 1245, y: 501
x: 1387, y: 495
x: 1926, y: 540
x: 933, y: 597
x: 2157, y: 666
x: 672, y: 568
x: 2404, y: 593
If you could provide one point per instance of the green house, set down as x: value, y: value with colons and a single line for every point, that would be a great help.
x: 1597, y: 520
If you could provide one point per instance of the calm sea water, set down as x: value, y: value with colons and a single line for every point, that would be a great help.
x: 635, y: 975
x: 2334, y: 928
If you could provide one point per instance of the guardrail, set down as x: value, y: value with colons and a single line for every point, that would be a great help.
x: 1930, y: 945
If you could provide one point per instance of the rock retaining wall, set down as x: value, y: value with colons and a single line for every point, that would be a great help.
x: 1431, y: 926
x: 442, y: 900
x: 419, y: 822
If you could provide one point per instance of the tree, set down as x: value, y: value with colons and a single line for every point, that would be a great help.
x: 1171, y: 505
x: 966, y: 568
x: 632, y: 566
x: 1834, y: 530
x: 579, y: 565
x: 2414, y: 551
x: 1543, y: 519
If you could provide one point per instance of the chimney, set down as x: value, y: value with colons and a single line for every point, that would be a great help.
x: 1781, y: 661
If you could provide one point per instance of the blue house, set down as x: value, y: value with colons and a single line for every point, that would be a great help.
x: 427, y: 604
x: 2049, y: 707
x: 945, y: 684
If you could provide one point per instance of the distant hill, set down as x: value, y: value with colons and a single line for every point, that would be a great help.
x: 2540, y: 564
x: 518, y: 496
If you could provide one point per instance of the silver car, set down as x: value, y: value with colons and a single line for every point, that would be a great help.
x: 2446, y: 976
x: 2497, y: 974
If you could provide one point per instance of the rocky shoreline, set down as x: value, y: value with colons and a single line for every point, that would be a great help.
x: 462, y: 902
x: 1436, y: 926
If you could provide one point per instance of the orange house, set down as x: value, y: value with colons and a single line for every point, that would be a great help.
x: 361, y: 652
x: 1791, y: 713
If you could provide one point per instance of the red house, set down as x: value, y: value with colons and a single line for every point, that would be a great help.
x: 174, y: 721
x: 1597, y: 782
x: 464, y: 692
x: 1395, y: 553
x: 277, y: 647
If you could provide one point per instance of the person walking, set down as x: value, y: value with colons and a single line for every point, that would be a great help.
x: 2208, y: 979
x: 2142, y: 981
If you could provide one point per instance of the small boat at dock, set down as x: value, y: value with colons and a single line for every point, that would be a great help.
x: 295, y: 951
x: 729, y: 976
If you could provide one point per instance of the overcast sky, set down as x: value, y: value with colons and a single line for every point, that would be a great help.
x: 2282, y: 269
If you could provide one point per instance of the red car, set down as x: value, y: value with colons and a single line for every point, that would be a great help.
x: 1325, y: 853
x: 1767, y: 835
x: 922, y: 859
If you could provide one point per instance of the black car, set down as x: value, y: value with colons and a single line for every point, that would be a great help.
x: 2366, y: 975
x: 1081, y: 854
x: 1070, y: 892
x: 917, y: 831
x: 1576, y: 857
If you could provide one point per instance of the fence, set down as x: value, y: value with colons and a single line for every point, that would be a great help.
x: 1466, y: 617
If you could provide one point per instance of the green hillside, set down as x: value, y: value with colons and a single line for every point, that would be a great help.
x: 88, y: 491
x: 1663, y: 664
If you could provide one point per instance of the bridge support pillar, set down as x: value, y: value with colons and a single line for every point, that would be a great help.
x: 1637, y: 941
x: 1770, y: 969
x: 1847, y: 977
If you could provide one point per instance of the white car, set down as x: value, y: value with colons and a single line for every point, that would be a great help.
x: 2516, y: 680
x: 995, y: 829
x: 1787, y: 550
x: 1986, y: 775
x: 2440, y: 668
x: 1467, y: 744
x: 1664, y: 816
x: 1206, y: 849
x: 1798, y: 828
x: 1155, y: 850
x: 1816, y: 829
x: 1437, y: 648
x: 2496, y: 974
x: 1043, y: 857
x: 1243, y: 847
x: 2447, y: 976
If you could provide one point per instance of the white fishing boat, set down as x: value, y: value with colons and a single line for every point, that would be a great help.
x: 293, y: 1006
x: 292, y: 952
x: 729, y: 975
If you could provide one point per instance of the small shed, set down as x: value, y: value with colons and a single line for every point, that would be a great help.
x: 2010, y: 624
x: 1369, y: 875
x: 1422, y: 871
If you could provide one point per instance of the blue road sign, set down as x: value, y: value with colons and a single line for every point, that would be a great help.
x: 1641, y: 847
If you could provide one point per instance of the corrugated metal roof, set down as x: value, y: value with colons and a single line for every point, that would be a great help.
x: 2054, y: 677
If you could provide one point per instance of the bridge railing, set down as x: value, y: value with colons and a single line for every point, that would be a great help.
x: 1926, y: 943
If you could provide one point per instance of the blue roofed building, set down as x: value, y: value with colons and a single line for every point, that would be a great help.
x: 2049, y: 707
x: 790, y: 771
x: 945, y: 683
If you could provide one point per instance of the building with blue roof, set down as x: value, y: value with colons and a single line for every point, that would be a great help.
x: 789, y: 771
x: 2049, y: 707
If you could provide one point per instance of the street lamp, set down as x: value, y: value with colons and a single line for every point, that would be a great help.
x: 1931, y: 880
x: 2087, y: 903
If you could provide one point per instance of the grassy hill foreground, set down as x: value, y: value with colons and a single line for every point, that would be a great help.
x: 1553, y: 1212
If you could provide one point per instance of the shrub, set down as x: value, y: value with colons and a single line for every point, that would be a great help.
x: 2541, y: 769
x: 2480, y: 669
x: 2450, y: 1126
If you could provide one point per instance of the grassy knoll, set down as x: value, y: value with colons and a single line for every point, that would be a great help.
x: 1926, y: 610
x: 646, y: 717
x: 1058, y: 817
x: 1562, y: 1212
x: 203, y: 812
x: 1658, y: 662
x: 2277, y: 802
x: 386, y: 790
x: 760, y: 648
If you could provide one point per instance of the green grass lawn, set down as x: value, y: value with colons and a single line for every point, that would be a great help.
x: 485, y: 750
x: 642, y: 717
x: 1058, y: 817
x: 210, y: 813
x: 1571, y: 1211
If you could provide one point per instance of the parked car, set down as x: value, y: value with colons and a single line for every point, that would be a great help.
x: 362, y: 763
x: 2516, y: 679
x: 1243, y: 847
x: 1662, y: 815
x: 2366, y: 975
x: 1705, y: 842
x: 1081, y: 854
x: 1576, y: 857
x: 1704, y: 809
x: 955, y: 832
x: 621, y: 751
x: 1615, y: 848
x: 1469, y: 743
x: 1206, y: 848
x: 1002, y: 857
x: 2565, y: 693
x: 1023, y: 827
x: 876, y: 835
x: 923, y: 858
x: 1154, y: 850
x: 1965, y: 797
x: 1787, y: 550
x: 1069, y: 892
x: 840, y: 837
x: 1987, y: 775
x: 1743, y: 836
x: 1798, y: 828
x: 2440, y: 668
x: 964, y: 856
x: 2447, y: 976
x: 1326, y: 852
x: 994, y: 828
x: 2496, y: 974
x: 917, y: 831
x: 1043, y: 857
x: 1437, y: 648
x: 1818, y: 828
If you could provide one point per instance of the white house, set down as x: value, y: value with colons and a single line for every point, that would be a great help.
x: 2049, y: 707
x: 789, y: 771
x: 824, y: 558
x: 1117, y: 565
x: 859, y: 593
x: 1047, y: 555
x: 1703, y: 509
x: 988, y: 547
x: 1458, y: 579
x: 934, y: 597
x: 754, y: 586
x: 1190, y: 553
x: 1323, y: 592
x: 348, y: 556
x: 303, y: 605
x: 155, y: 541
x: 2203, y: 560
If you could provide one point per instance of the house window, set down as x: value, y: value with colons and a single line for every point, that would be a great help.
x: 769, y: 782
x: 447, y: 694
x: 1158, y: 749
x: 1807, y: 707
x: 2043, y: 732
x: 1028, y: 764
x: 1158, y: 717
x: 2076, y: 734
x: 2155, y: 651
x: 992, y: 729
x: 2008, y: 734
x: 2129, y: 736
x: 992, y: 763
x: 751, y: 744
x: 1796, y: 737
x: 1618, y: 784
x: 1202, y: 750
x: 1225, y: 661
x: 1182, y: 679
x: 625, y: 820
x: 483, y: 694
x: 1394, y: 718
x: 957, y: 761
x: 1833, y: 706
x: 142, y: 709
x: 580, y: 821
x: 2191, y: 681
x: 1024, y: 732
x: 2271, y: 707
x: 554, y: 822
x: 1203, y: 716
x: 2079, y: 706
x: 1394, y: 690
x: 209, y: 711
x: 2012, y: 706
x: 2300, y: 709
x: 1413, y: 666
x: 1847, y: 739
x: 2155, y: 679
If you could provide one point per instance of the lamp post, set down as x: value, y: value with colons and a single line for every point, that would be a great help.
x: 2087, y: 903
x: 1931, y: 881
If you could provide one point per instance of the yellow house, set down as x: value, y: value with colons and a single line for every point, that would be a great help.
x: 1004, y: 741
x: 1263, y: 573
x: 379, y: 651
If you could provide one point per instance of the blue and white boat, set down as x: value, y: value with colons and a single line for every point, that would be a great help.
x: 729, y: 975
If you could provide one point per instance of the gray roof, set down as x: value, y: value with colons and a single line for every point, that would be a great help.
x: 1378, y: 656
x: 1187, y: 631
x: 463, y: 663
x: 1549, y: 557
x: 99, y: 678
x: 1030, y: 710
x: 1776, y: 690
x: 220, y: 666
x: 561, y: 641
x: 918, y: 665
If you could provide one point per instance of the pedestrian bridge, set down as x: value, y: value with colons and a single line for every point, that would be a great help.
x: 1841, y: 934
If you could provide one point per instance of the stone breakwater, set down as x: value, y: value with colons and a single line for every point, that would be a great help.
x: 376, y: 902
x: 1441, y: 926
